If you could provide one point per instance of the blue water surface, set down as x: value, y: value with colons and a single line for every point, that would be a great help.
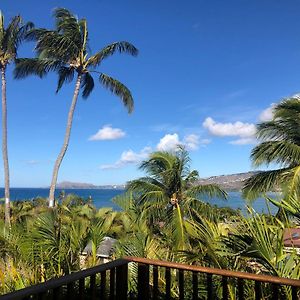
x: 102, y: 198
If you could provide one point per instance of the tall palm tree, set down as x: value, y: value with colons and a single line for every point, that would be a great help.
x: 65, y: 51
x: 10, y: 39
x: 280, y: 145
x: 170, y: 190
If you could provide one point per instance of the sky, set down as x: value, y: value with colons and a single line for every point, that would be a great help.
x: 206, y: 73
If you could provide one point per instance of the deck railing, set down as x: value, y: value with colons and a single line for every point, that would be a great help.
x: 154, y: 279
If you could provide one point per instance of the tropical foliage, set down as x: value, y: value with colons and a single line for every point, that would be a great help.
x: 280, y: 145
x: 170, y: 192
x: 43, y: 243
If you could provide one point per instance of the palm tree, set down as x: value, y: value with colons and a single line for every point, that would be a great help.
x: 10, y: 39
x: 171, y: 187
x: 280, y: 145
x: 65, y: 51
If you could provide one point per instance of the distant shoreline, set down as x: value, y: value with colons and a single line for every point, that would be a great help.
x: 230, y: 183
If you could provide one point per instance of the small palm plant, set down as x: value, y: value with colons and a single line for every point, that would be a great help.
x: 65, y: 51
x: 170, y: 191
x: 10, y: 39
x: 280, y: 145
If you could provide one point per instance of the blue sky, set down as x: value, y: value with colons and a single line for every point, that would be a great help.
x: 206, y: 72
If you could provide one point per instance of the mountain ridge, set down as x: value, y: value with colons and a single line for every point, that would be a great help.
x: 228, y: 182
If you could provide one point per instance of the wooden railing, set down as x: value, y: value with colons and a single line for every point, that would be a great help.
x: 155, y: 279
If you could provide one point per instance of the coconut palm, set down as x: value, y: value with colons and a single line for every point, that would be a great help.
x: 260, y: 241
x: 280, y: 145
x: 171, y: 187
x: 10, y: 39
x: 65, y: 51
x: 170, y: 179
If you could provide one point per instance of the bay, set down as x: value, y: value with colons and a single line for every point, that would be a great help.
x: 102, y: 198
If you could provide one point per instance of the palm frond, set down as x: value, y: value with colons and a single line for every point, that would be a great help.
x: 265, y: 181
x: 65, y: 74
x: 119, y: 89
x: 35, y: 66
x: 291, y: 205
x: 287, y: 108
x: 87, y: 85
x: 208, y: 190
x: 192, y: 177
x: 121, y: 47
x: 84, y: 34
x: 147, y: 189
x: 124, y: 201
x: 281, y: 152
x: 68, y: 25
x: 12, y: 36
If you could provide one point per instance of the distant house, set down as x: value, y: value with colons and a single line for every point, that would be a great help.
x: 291, y: 239
x: 104, y: 251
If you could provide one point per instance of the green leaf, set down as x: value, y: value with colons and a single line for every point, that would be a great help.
x: 119, y: 89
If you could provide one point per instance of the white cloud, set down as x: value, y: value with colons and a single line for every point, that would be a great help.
x: 244, y: 141
x: 128, y: 157
x: 229, y: 129
x: 267, y: 114
x: 244, y: 131
x: 169, y: 142
x: 107, y: 133
x: 191, y: 142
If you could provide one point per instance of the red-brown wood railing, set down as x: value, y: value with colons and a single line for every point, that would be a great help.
x: 110, y: 281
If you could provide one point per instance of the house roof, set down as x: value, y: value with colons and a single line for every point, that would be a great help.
x: 291, y: 237
x: 105, y: 249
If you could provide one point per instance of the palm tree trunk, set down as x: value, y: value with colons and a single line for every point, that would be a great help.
x: 4, y: 148
x: 66, y: 142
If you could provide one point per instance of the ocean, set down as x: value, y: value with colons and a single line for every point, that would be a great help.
x: 102, y: 198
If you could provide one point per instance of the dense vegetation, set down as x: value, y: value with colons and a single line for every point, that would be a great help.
x: 172, y: 223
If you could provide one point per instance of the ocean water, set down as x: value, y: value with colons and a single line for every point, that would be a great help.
x: 102, y: 198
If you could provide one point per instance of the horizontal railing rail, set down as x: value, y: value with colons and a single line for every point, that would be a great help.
x: 214, y: 271
x: 157, y: 279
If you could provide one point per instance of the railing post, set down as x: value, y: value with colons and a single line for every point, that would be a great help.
x: 225, y: 287
x: 275, y: 292
x: 56, y: 293
x: 181, y: 284
x: 195, y: 285
x: 257, y: 290
x: 81, y: 288
x: 294, y: 293
x: 168, y: 283
x: 103, y: 285
x: 209, y: 286
x: 155, y: 282
x: 143, y: 282
x: 122, y: 281
x: 93, y: 286
x: 70, y: 290
x: 42, y: 296
x: 112, y: 282
x: 240, y: 289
